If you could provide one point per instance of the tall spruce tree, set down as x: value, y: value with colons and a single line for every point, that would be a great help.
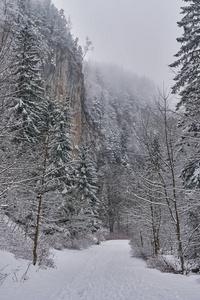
x: 59, y: 153
x: 188, y: 87
x: 87, y: 178
x: 28, y: 82
x: 81, y: 205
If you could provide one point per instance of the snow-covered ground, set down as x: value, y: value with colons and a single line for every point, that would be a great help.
x: 103, y: 272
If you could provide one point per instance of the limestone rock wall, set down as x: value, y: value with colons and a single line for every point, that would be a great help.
x: 64, y: 78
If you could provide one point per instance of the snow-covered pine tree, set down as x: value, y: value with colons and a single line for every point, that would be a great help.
x: 7, y: 57
x: 86, y: 179
x: 81, y: 205
x: 28, y: 82
x: 59, y: 125
x: 11, y: 168
x: 188, y: 87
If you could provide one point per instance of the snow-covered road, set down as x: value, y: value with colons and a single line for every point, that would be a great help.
x: 104, y: 272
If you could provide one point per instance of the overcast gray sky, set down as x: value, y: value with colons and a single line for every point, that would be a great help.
x: 139, y: 35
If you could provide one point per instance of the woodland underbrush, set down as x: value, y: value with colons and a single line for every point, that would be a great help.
x: 15, y: 240
x: 164, y: 262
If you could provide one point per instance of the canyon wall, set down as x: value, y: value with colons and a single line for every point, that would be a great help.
x: 64, y: 78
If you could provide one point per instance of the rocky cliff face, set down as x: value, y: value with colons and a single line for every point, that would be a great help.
x: 64, y: 78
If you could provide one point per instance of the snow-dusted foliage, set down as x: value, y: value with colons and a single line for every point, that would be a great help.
x: 187, y: 86
x: 157, y: 193
x: 163, y: 216
x: 27, y: 81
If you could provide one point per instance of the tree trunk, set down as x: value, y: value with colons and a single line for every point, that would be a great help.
x: 40, y: 203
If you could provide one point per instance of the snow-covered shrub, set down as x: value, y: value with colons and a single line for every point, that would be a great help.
x: 167, y: 264
x: 82, y: 241
x: 14, y: 239
x: 143, y: 250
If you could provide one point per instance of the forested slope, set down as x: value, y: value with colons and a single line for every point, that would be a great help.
x: 42, y: 191
x: 113, y: 103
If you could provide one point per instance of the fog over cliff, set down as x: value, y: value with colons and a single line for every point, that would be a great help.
x: 138, y: 35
